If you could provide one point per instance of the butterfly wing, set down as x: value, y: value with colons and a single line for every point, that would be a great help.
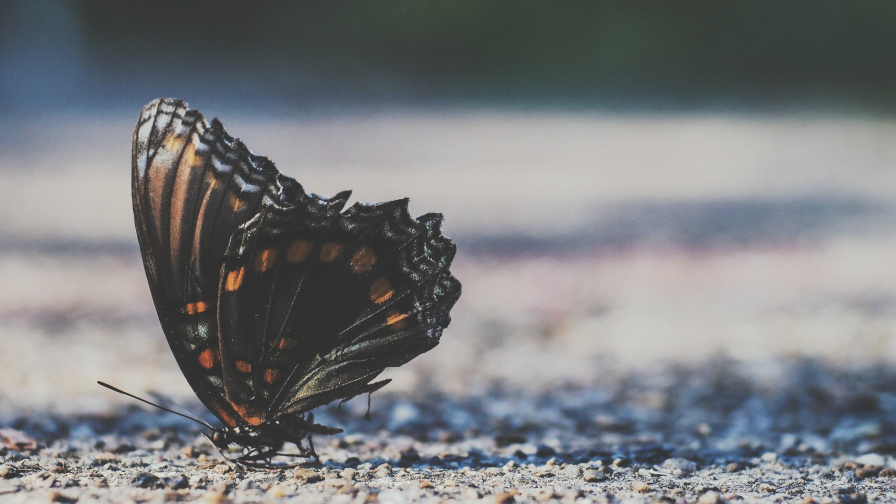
x: 192, y: 186
x: 314, y: 303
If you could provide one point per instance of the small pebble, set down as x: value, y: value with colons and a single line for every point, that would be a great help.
x: 769, y: 457
x: 592, y: 476
x: 383, y: 471
x: 506, y: 497
x: 215, y: 497
x: 7, y: 472
x: 276, y: 492
x: 710, y: 497
x: 871, y: 459
x: 424, y: 484
x: 61, y: 497
x: 303, y: 475
x: 640, y: 486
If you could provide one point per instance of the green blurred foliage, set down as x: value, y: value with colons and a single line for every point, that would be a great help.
x: 761, y: 52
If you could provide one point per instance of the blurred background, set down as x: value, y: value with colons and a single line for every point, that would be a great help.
x: 632, y: 185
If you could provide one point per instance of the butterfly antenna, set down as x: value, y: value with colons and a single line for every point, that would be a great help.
x: 197, y: 420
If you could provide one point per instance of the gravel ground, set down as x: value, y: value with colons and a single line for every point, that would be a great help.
x: 678, y: 435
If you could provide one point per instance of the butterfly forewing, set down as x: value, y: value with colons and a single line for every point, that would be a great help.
x: 192, y: 185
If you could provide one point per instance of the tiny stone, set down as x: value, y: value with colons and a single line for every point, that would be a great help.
x: 572, y: 471
x: 215, y: 497
x: 188, y: 451
x: 277, y: 492
x: 867, y: 472
x: 222, y: 468
x: 493, y: 471
x: 769, y: 457
x: 592, y: 476
x: 887, y: 472
x: 202, y: 458
x: 872, y: 459
x: 7, y: 472
x: 709, y: 498
x: 61, y: 497
x: 734, y: 467
x: 303, y: 475
x: 198, y: 481
x: 246, y: 485
x: 640, y: 487
x: 425, y: 484
x: 506, y: 497
x: 349, y: 474
x: 106, y: 457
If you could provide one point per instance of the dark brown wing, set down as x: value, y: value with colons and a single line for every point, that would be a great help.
x: 192, y: 186
x: 314, y: 303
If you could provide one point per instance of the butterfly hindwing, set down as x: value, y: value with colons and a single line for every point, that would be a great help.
x: 313, y: 306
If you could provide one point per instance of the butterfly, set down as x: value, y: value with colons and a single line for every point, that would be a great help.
x: 276, y: 301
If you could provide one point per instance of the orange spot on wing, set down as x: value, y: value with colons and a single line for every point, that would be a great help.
x: 272, y: 376
x: 173, y: 143
x: 224, y: 416
x: 234, y: 280
x: 194, y: 308
x: 396, y: 319
x: 209, y: 357
x: 250, y: 414
x: 330, y: 251
x: 381, y: 290
x: 236, y: 203
x: 190, y: 158
x: 363, y: 260
x: 265, y: 259
x: 298, y: 250
x: 287, y: 343
x: 243, y: 366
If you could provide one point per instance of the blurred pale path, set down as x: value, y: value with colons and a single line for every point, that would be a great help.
x: 588, y: 243
x: 491, y: 174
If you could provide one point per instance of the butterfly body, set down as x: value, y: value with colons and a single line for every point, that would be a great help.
x: 275, y: 301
